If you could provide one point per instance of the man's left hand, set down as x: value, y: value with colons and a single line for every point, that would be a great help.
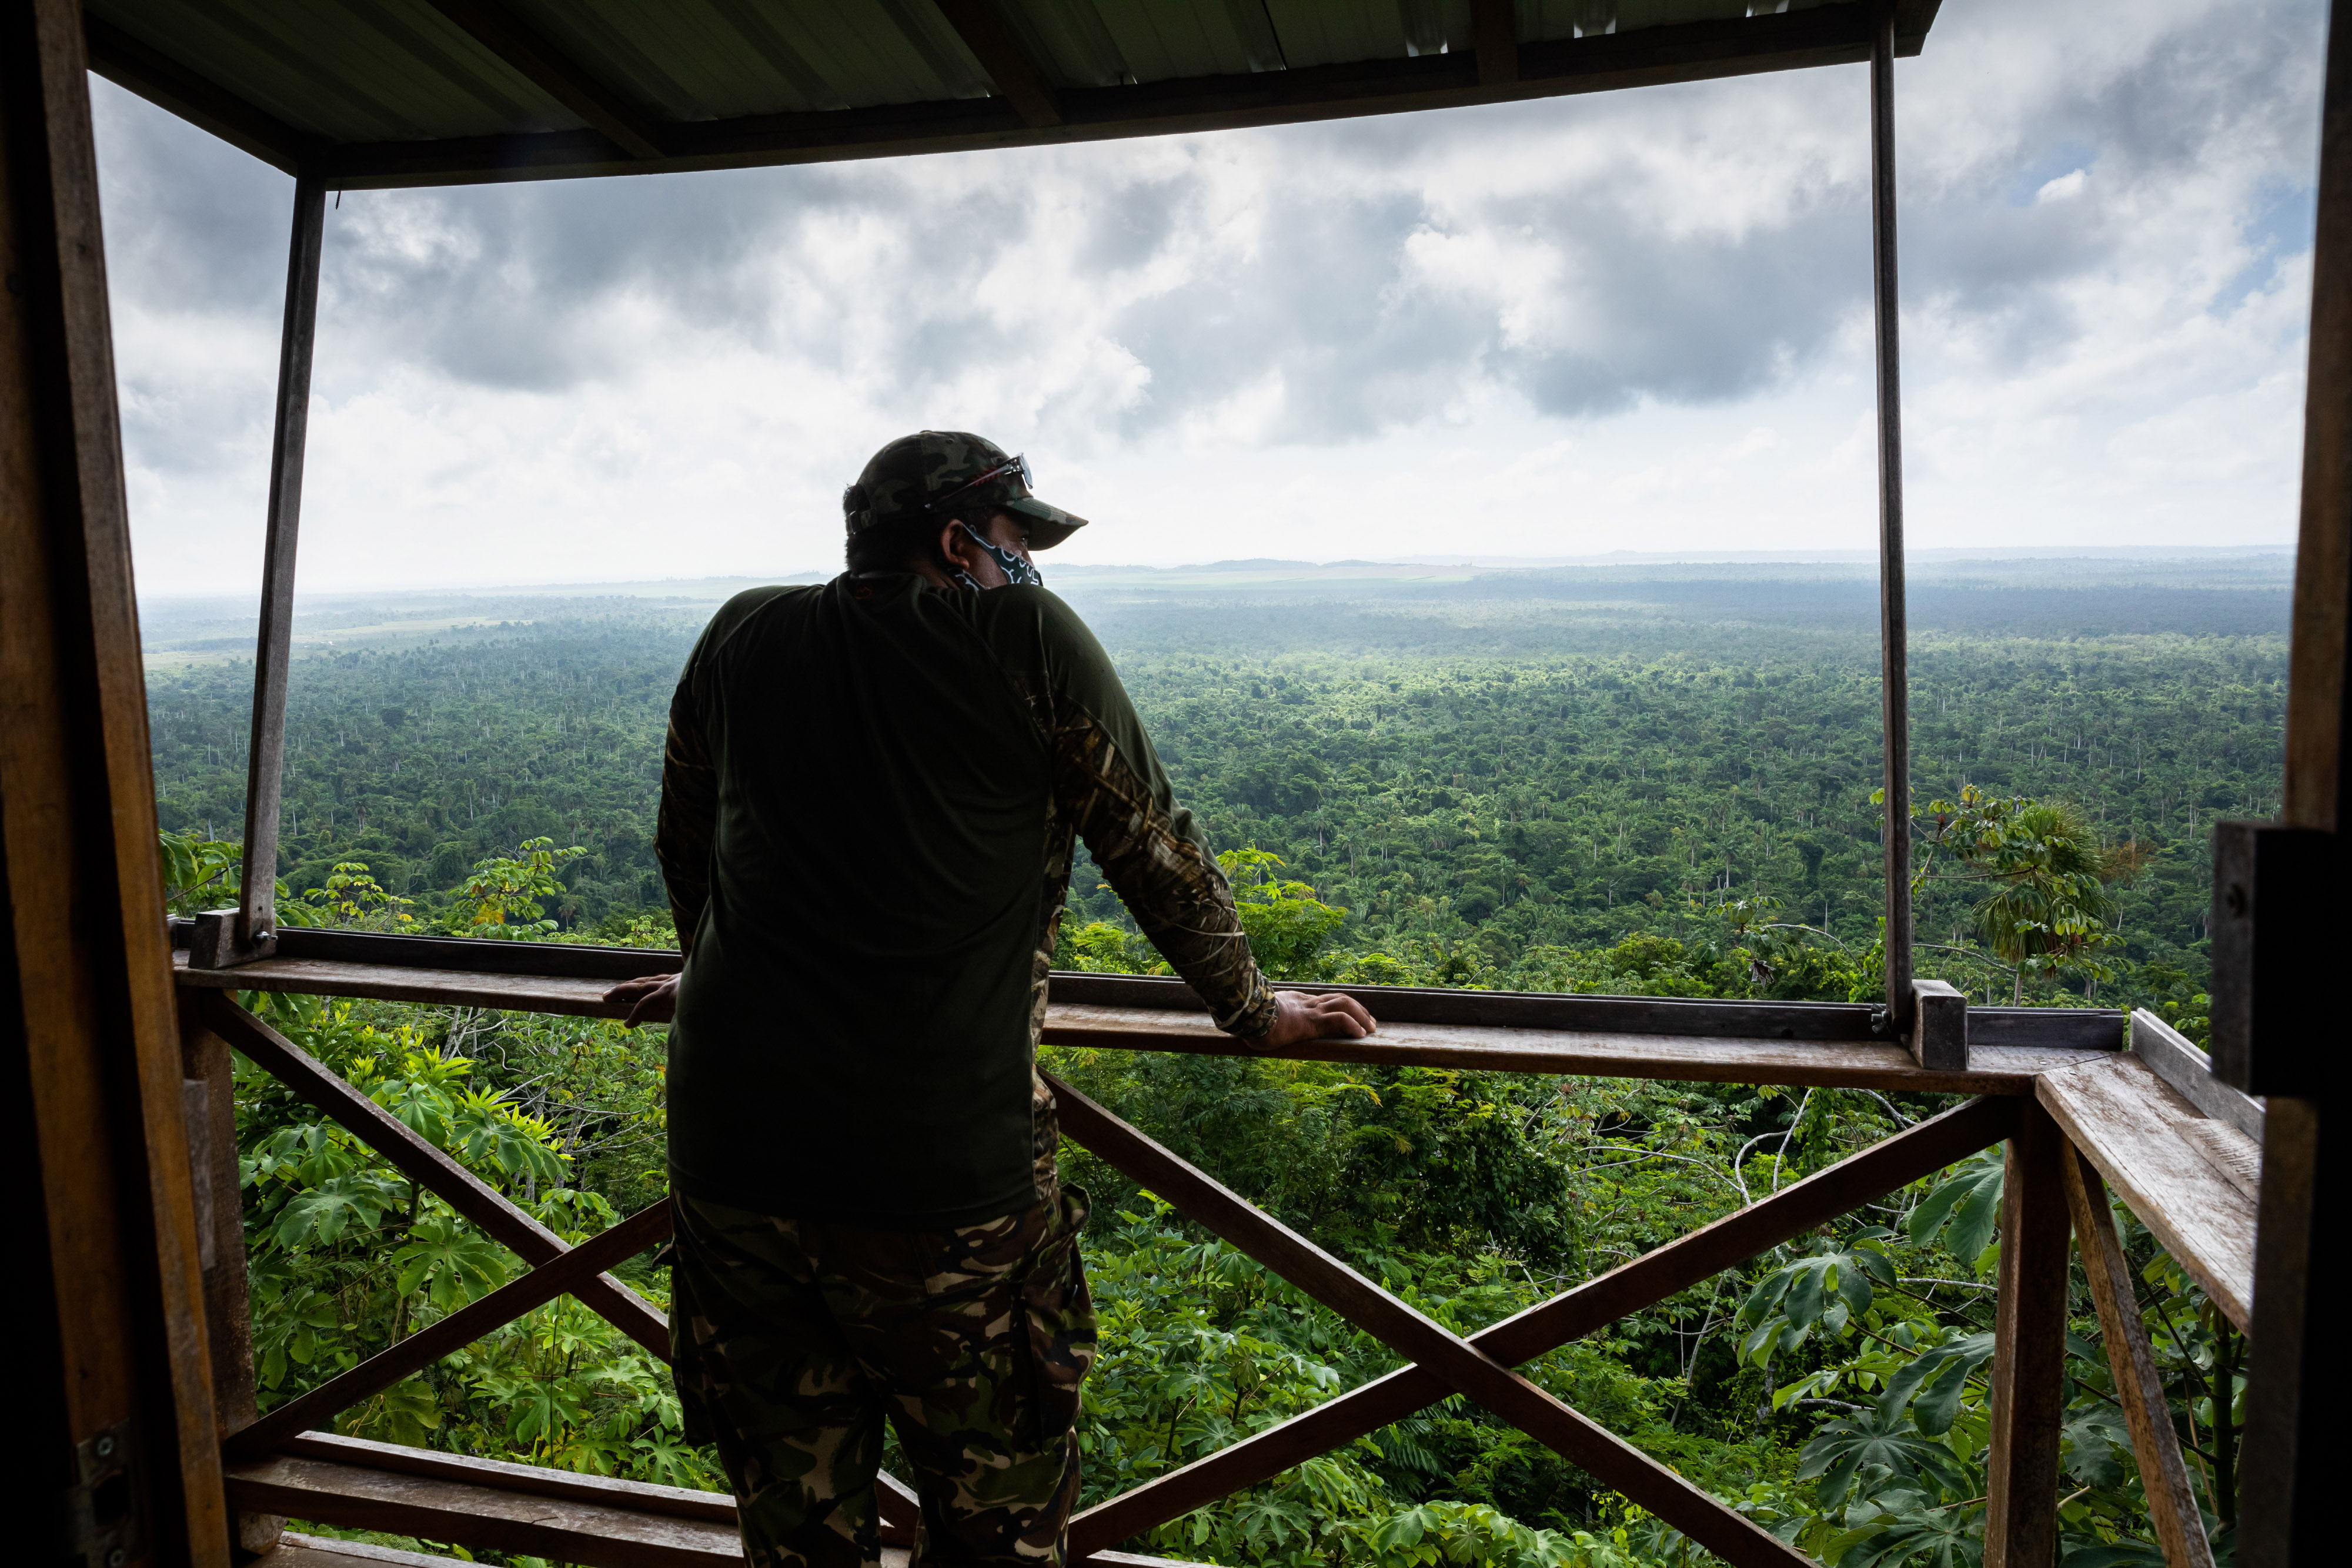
x: 653, y: 999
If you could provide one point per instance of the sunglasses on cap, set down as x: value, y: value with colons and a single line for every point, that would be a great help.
x: 1017, y: 466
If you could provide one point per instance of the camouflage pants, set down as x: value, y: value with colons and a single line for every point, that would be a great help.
x: 795, y: 1340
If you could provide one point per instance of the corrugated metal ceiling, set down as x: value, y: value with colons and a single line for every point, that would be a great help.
x: 330, y: 74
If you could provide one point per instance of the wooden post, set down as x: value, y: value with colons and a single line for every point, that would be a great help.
x: 2298, y: 1365
x: 114, y: 1416
x: 2029, y: 1364
x: 256, y: 920
x: 1894, y: 635
x: 2164, y: 1478
x: 205, y: 1058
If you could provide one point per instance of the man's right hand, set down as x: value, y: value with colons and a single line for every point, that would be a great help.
x: 1299, y: 1017
x: 652, y: 998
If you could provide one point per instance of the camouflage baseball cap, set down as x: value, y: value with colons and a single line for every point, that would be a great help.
x: 926, y: 471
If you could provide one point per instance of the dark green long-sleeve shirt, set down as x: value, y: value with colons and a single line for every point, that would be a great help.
x: 869, y: 800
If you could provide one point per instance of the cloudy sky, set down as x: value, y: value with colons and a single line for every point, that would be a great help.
x: 1637, y: 322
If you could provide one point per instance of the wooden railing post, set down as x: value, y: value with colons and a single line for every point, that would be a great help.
x: 2029, y: 1364
x: 209, y: 1073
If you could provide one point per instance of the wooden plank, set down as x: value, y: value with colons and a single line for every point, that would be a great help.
x: 2126, y: 1121
x: 1018, y: 81
x: 538, y: 1481
x: 109, y: 1273
x: 481, y: 1518
x: 535, y: 1481
x: 1795, y: 1209
x: 419, y: 1161
x: 647, y: 1226
x: 474, y: 955
x: 2147, y: 1412
x: 544, y: 66
x: 2029, y: 1364
x: 1494, y: 34
x: 297, y: 1551
x: 255, y: 931
x: 1471, y: 1371
x: 164, y: 81
x: 2176, y: 1059
x: 2297, y: 1367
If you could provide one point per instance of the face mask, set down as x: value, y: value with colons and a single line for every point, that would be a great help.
x: 1018, y: 573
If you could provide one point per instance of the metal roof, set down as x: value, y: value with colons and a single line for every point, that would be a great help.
x: 370, y: 93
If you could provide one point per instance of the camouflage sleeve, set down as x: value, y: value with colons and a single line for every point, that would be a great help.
x: 689, y: 817
x: 1160, y: 868
x: 1109, y: 781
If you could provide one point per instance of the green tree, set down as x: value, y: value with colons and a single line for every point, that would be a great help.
x: 2048, y: 906
x: 500, y: 899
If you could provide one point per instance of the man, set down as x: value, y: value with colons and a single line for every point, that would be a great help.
x: 869, y: 799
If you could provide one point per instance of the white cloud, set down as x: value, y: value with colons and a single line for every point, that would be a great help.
x: 1635, y: 320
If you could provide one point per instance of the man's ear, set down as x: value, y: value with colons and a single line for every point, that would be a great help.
x: 955, y: 547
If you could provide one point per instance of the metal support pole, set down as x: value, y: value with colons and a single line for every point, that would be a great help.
x: 266, y: 752
x: 1894, y: 699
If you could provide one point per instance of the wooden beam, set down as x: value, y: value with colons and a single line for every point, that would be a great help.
x: 573, y: 1270
x: 1495, y: 33
x: 164, y: 81
x: 504, y: 35
x: 1017, y: 77
x: 2135, y: 1128
x: 114, y: 1369
x: 2148, y: 1412
x: 1463, y: 1365
x: 897, y: 1501
x: 2029, y: 1364
x: 1678, y: 1266
x: 481, y: 1516
x: 206, y: 1059
x: 253, y: 933
x: 2299, y: 1363
x: 426, y: 1165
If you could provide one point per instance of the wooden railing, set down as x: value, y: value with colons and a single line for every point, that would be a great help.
x: 2080, y: 1112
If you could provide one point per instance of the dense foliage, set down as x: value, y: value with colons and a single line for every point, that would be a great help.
x: 1493, y: 804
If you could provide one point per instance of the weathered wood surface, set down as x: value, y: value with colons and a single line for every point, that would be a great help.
x: 2029, y: 1365
x: 2176, y: 1060
x: 1995, y: 1070
x: 1463, y: 1365
x: 441, y: 988
x: 297, y: 1551
x: 479, y: 1517
x: 538, y: 1481
x: 2147, y: 1412
x: 2129, y: 1124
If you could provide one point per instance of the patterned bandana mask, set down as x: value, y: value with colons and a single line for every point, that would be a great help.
x: 1018, y: 573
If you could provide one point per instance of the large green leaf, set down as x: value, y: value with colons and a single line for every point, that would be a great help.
x: 1965, y: 1207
